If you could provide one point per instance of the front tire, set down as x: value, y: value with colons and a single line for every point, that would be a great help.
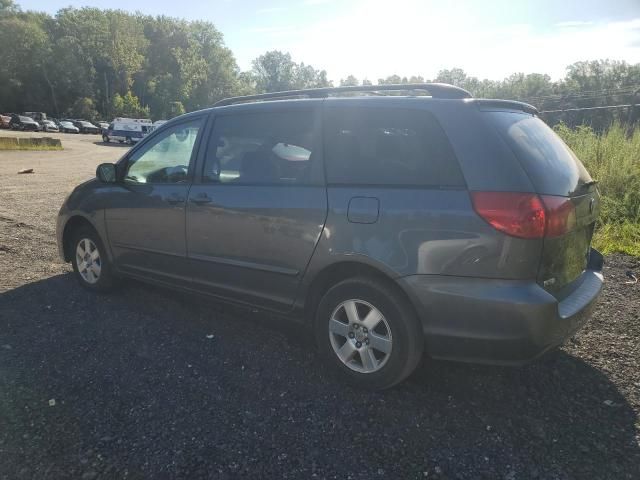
x: 91, y: 266
x: 105, y: 139
x: 368, y: 333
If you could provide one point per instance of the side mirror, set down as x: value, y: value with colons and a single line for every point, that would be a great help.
x: 106, y: 173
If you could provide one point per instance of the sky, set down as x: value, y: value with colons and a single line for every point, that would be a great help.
x: 374, y: 38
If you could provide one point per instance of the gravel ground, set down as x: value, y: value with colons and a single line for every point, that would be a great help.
x: 145, y: 383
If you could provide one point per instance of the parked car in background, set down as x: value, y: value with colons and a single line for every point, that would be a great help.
x: 86, y: 127
x: 4, y: 121
x: 21, y: 122
x: 65, y: 126
x: 129, y: 130
x: 388, y: 225
x: 49, y: 126
x: 103, y: 126
x: 37, y: 116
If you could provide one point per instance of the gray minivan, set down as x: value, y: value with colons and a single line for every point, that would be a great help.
x: 390, y: 225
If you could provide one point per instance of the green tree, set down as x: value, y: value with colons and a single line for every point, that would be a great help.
x: 390, y: 80
x: 350, y: 81
x: 8, y: 7
x: 23, y: 56
x: 84, y: 108
x: 128, y: 105
x: 455, y: 76
x: 275, y: 71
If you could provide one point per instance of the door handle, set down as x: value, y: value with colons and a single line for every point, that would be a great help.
x: 201, y: 199
x: 174, y: 199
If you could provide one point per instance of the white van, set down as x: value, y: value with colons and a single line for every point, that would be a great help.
x: 129, y: 130
x: 156, y: 124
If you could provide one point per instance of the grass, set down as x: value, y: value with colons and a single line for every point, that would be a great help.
x: 612, y: 158
x: 624, y: 238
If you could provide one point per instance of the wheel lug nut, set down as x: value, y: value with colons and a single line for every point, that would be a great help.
x: 364, y: 329
x: 352, y: 335
x: 356, y: 326
x: 358, y: 344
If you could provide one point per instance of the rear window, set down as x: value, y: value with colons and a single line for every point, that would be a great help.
x: 374, y: 146
x: 551, y: 166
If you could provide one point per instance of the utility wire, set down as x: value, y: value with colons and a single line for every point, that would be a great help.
x: 628, y: 90
x: 589, y: 108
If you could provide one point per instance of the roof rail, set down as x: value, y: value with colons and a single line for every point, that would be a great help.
x: 436, y: 90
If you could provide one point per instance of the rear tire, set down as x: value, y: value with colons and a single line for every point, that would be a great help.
x: 368, y: 333
x: 91, y: 265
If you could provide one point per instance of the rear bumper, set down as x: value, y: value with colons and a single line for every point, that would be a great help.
x: 498, y: 321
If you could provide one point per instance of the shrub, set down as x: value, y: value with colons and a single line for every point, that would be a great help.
x: 613, y: 159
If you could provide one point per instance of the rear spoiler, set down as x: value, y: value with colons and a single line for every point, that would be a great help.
x: 490, y: 104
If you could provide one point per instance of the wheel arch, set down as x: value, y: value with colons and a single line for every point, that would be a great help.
x: 72, y: 225
x: 341, y: 270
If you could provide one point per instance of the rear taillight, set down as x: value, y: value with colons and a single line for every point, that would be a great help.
x: 525, y: 215
x: 561, y: 215
x: 517, y: 214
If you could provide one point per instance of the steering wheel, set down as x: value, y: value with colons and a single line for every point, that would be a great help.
x: 177, y: 173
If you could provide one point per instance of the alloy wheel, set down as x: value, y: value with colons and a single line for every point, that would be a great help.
x: 88, y: 261
x: 360, y: 336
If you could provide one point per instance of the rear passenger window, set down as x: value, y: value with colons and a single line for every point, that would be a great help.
x: 388, y: 147
x: 263, y: 148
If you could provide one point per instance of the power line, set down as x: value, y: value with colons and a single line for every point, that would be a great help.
x: 589, y: 108
x: 627, y: 90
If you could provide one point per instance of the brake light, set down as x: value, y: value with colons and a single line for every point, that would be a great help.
x: 525, y: 215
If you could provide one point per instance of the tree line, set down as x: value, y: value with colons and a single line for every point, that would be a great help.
x: 94, y: 63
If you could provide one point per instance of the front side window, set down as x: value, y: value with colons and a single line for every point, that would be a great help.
x: 166, y: 158
x: 373, y: 146
x: 262, y: 148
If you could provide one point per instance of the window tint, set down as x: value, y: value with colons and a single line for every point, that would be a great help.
x: 550, y: 164
x: 166, y: 158
x: 388, y: 147
x: 262, y: 148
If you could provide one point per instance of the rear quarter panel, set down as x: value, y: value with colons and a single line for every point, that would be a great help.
x: 422, y: 231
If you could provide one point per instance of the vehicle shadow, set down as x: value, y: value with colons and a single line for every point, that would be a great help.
x: 153, y: 380
x: 112, y: 144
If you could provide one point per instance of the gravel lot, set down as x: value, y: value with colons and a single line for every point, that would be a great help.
x: 146, y: 383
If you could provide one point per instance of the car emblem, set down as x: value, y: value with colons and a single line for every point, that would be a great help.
x: 591, y: 205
